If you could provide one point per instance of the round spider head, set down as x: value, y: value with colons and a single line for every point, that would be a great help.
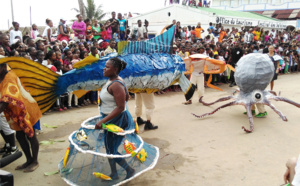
x: 254, y: 72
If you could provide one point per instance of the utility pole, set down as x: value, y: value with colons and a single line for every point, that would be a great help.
x: 30, y: 17
x: 12, y: 10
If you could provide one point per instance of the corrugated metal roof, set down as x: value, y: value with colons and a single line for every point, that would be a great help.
x: 282, y: 14
x: 294, y: 14
x: 249, y: 15
x: 266, y: 12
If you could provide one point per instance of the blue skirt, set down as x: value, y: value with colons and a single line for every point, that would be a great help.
x: 113, y: 141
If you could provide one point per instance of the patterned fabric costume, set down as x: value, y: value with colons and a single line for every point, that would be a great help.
x: 22, y: 112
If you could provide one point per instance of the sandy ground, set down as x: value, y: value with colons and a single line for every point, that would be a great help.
x: 210, y: 151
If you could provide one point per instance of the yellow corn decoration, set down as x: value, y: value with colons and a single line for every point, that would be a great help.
x: 136, y: 127
x: 66, y: 157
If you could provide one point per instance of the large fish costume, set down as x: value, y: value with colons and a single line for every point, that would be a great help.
x: 150, y: 67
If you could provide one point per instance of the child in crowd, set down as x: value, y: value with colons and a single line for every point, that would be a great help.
x: 94, y: 52
x: 61, y: 100
x: 58, y: 57
x: 75, y: 60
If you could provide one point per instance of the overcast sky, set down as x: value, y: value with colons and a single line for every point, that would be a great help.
x: 55, y: 9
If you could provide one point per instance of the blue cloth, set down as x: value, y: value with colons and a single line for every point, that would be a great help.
x: 37, y: 125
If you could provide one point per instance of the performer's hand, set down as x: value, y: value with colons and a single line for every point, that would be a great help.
x: 98, y: 125
x: 286, y: 175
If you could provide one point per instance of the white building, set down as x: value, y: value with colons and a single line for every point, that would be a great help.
x: 160, y: 18
x: 247, y: 5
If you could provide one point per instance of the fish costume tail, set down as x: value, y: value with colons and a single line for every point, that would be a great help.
x: 38, y: 80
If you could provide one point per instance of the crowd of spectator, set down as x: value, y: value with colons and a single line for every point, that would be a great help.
x: 230, y: 45
x: 195, y: 3
x: 90, y: 37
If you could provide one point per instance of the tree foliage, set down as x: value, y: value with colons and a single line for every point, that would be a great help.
x: 92, y: 11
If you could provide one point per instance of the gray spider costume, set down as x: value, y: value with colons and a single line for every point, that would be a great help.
x: 253, y: 74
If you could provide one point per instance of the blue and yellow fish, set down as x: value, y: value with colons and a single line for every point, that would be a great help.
x: 150, y: 67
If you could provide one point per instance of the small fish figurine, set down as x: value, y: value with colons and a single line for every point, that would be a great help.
x: 142, y: 155
x: 129, y: 147
x: 81, y: 135
x: 101, y: 176
x: 66, y: 157
x: 112, y: 128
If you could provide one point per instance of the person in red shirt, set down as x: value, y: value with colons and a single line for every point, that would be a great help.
x: 58, y: 57
x: 103, y: 32
x: 89, y: 31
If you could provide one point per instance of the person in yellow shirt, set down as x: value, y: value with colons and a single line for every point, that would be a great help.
x: 257, y: 33
x: 215, y: 50
x: 237, y: 35
x: 199, y: 30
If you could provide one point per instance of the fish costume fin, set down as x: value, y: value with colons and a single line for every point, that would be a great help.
x: 37, y: 79
x: 86, y: 61
x: 160, y: 44
x: 80, y: 93
x: 187, y: 87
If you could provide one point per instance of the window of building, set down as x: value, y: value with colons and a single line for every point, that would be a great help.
x: 240, y: 2
x: 224, y: 3
x: 232, y: 3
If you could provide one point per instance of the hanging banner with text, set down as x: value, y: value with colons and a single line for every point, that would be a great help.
x: 245, y: 22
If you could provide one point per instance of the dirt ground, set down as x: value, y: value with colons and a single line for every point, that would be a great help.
x: 210, y: 151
